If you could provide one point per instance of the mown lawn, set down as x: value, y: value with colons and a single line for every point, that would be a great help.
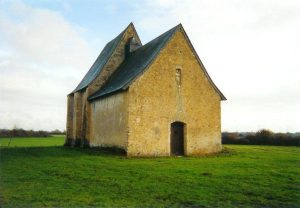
x: 36, y: 173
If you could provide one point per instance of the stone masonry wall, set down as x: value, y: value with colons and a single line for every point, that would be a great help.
x: 174, y: 88
x: 77, y: 117
x: 69, y: 127
x: 110, y: 121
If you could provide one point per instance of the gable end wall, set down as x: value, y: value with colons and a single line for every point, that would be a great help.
x: 156, y: 100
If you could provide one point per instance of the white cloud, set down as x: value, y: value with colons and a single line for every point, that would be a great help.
x: 42, y: 58
x: 250, y: 48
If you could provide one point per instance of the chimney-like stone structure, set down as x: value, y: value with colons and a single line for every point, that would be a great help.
x: 131, y: 46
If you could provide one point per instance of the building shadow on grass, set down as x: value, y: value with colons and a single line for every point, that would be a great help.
x: 59, y: 151
x: 62, y: 151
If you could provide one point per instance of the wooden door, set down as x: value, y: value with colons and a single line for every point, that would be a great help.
x: 177, y: 138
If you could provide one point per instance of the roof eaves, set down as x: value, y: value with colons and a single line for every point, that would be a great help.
x: 96, y: 97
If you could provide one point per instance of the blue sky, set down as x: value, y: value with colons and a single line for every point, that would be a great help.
x: 96, y: 16
x: 250, y: 48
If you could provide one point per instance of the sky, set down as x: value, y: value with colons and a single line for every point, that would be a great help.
x: 250, y: 48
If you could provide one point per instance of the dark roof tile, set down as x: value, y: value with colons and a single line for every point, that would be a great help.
x: 100, y: 62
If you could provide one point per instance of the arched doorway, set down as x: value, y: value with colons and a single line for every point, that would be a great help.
x: 177, y: 138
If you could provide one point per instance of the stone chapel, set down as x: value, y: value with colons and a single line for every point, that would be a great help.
x: 155, y: 99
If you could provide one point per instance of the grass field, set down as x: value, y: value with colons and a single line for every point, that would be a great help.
x: 39, y: 172
x: 56, y: 140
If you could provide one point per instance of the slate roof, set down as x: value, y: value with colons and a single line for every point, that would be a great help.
x: 100, y: 62
x: 134, y: 65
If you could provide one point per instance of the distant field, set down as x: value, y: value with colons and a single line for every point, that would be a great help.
x: 55, y: 140
x: 39, y: 172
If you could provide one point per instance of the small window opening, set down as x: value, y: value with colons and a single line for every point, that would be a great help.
x: 178, y: 76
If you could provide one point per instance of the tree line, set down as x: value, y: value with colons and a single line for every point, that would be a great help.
x: 261, y: 137
x: 19, y: 132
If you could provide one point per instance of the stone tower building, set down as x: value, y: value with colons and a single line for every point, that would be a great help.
x: 155, y: 99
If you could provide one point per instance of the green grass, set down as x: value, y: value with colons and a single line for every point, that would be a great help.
x: 55, y: 176
x: 55, y: 140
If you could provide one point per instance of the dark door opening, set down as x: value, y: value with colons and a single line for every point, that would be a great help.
x: 177, y: 138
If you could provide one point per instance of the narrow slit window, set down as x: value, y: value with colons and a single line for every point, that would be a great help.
x: 178, y: 76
